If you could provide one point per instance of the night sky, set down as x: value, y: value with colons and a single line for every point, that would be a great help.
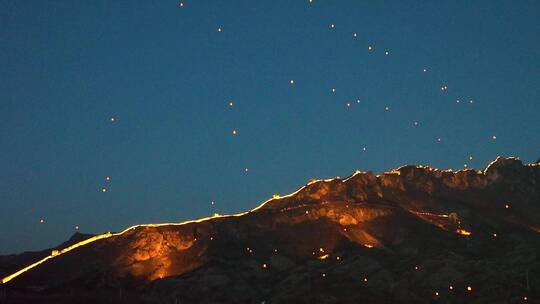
x: 115, y: 113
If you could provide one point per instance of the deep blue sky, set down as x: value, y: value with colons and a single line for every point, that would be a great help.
x: 166, y: 74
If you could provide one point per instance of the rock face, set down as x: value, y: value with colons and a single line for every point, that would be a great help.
x: 411, y: 235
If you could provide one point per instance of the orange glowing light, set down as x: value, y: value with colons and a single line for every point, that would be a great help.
x: 436, y: 293
x: 365, y: 280
x: 463, y: 232
x: 323, y: 257
x: 469, y: 288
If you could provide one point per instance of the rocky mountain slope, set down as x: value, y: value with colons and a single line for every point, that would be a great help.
x: 411, y: 235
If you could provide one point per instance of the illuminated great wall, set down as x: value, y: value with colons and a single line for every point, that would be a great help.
x: 57, y: 253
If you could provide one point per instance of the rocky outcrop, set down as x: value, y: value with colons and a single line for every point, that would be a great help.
x: 411, y: 235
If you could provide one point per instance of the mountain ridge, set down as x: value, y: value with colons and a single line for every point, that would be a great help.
x: 392, y: 214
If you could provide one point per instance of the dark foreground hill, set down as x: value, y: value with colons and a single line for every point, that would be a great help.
x: 410, y: 235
